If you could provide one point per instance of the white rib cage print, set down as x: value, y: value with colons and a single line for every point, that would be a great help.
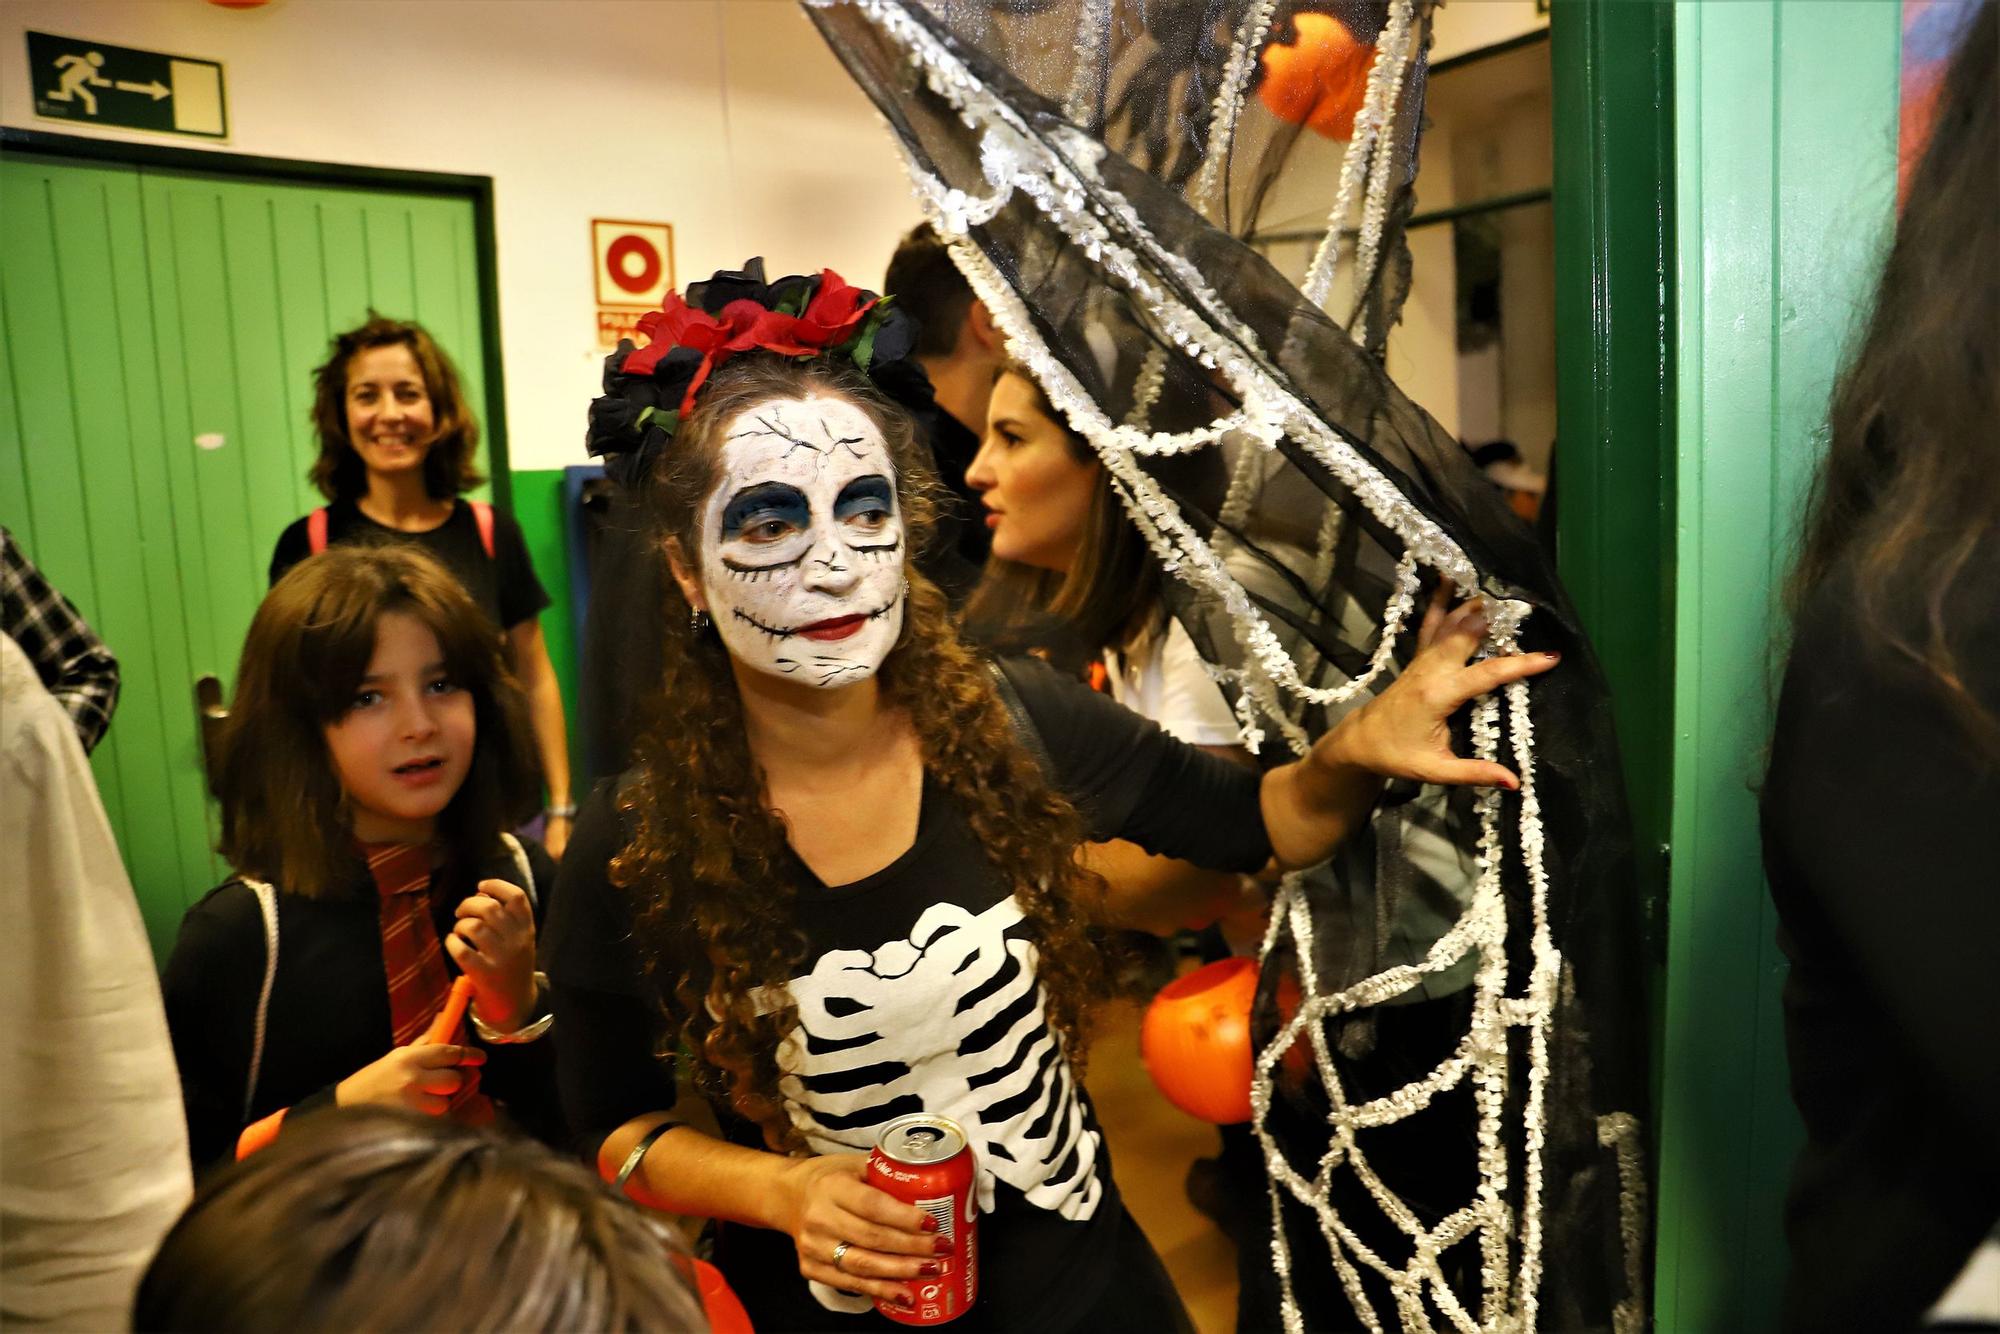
x: 950, y: 1021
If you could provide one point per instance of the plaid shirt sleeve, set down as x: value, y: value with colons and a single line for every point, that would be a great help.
x: 73, y: 662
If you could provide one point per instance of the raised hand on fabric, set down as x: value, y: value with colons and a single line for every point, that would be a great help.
x: 493, y: 943
x: 1312, y: 806
x: 1405, y: 731
x: 827, y: 1200
x: 422, y: 1077
x: 802, y: 546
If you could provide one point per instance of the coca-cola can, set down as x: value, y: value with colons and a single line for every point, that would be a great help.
x: 925, y: 1160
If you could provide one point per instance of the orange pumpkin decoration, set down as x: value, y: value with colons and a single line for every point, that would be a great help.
x: 1299, y: 1058
x: 1321, y: 80
x: 1195, y: 1041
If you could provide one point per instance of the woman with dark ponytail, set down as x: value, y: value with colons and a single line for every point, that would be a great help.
x: 1885, y: 768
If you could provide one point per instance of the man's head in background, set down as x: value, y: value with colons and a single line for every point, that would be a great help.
x: 958, y: 346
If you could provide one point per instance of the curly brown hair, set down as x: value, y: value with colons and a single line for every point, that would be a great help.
x: 449, y: 468
x: 714, y: 912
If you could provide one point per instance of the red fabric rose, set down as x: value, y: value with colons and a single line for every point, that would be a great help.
x: 829, y: 320
x: 674, y: 324
x: 836, y: 310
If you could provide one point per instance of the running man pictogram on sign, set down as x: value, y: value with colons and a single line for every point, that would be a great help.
x: 76, y: 79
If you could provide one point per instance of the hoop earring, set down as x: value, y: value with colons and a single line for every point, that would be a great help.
x: 698, y: 623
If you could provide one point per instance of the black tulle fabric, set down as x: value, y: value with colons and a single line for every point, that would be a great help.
x: 1140, y: 78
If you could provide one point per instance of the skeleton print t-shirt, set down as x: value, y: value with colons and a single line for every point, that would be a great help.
x: 920, y: 994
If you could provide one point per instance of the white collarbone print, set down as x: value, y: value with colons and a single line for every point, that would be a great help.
x: 950, y: 1021
x: 802, y: 542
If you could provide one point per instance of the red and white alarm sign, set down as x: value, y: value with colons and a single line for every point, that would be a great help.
x: 635, y: 271
x: 635, y: 262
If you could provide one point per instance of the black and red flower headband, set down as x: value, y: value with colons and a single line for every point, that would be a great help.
x: 649, y: 390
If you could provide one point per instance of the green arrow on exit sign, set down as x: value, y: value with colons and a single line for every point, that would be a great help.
x: 95, y: 83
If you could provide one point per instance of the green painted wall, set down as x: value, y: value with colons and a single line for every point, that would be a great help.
x: 537, y: 507
x: 1785, y: 146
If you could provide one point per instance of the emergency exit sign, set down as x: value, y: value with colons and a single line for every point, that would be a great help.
x: 96, y: 83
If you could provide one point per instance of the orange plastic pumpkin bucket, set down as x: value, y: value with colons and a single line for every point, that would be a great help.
x: 1195, y: 1041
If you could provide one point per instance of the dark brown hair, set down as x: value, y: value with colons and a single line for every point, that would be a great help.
x: 923, y: 281
x: 283, y: 814
x: 1906, y: 502
x: 709, y: 854
x: 449, y: 467
x: 378, y: 1219
x: 1106, y: 599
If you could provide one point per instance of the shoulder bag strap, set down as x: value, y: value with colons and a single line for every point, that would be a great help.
x: 267, y: 905
x: 316, y: 531
x: 1024, y: 724
x: 482, y: 514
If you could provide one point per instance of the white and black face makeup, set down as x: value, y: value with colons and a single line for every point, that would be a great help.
x: 802, y: 543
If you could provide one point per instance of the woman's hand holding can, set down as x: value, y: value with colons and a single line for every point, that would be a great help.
x: 883, y: 1244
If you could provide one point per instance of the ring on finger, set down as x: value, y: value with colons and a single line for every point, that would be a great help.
x: 840, y: 1251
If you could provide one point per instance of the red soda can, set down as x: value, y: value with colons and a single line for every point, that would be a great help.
x: 925, y: 1160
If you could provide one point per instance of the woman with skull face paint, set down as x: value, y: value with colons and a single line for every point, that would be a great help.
x: 842, y: 870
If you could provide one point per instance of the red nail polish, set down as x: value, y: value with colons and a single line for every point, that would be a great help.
x: 905, y: 1300
x: 929, y: 1224
x: 930, y: 1269
x: 941, y: 1246
x: 1553, y: 657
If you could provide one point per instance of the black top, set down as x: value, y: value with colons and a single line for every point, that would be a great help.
x: 1878, y: 824
x: 921, y: 995
x: 329, y: 1010
x: 504, y: 586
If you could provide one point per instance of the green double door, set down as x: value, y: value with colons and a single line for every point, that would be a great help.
x: 159, y: 329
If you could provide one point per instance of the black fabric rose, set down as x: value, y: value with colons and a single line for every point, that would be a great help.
x: 727, y: 285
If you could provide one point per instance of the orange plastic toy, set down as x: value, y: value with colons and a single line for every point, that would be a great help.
x: 719, y: 1301
x: 448, y: 1019
x: 444, y: 1028
x: 1320, y: 81
x: 1195, y: 1041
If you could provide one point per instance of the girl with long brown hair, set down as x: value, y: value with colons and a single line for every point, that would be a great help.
x: 1884, y: 775
x: 376, y: 752
x: 842, y: 872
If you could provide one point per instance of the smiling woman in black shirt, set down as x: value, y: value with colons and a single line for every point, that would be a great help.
x: 843, y: 869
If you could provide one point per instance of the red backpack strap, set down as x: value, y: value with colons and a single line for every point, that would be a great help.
x: 316, y: 531
x: 482, y: 514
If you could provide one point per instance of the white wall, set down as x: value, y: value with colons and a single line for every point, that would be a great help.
x: 729, y: 119
x: 1466, y: 25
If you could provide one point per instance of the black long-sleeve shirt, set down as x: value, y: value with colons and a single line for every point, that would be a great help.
x: 329, y: 1009
x: 918, y: 993
x: 1878, y: 824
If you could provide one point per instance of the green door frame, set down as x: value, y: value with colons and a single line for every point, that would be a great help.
x: 1724, y: 177
x: 1612, y: 87
x: 477, y: 190
x: 1613, y: 192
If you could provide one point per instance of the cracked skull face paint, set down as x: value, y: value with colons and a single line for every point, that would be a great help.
x: 802, y: 543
